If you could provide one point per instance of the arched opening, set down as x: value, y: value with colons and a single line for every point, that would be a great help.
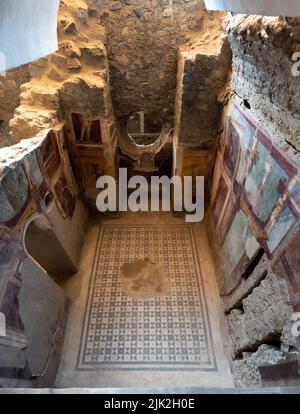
x: 43, y: 246
x: 143, y: 128
x: 145, y: 145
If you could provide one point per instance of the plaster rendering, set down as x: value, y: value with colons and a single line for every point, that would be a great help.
x: 28, y: 31
x: 289, y: 8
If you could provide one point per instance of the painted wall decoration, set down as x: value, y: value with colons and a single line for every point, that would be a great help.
x: 86, y: 131
x: 50, y: 155
x: 11, y: 257
x: 30, y: 171
x: 235, y: 244
x: 92, y: 147
x: 289, y: 264
x: 269, y: 176
x: 14, y: 195
x: 255, y: 201
x: 65, y: 198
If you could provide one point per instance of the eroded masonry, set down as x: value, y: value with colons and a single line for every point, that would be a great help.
x: 161, y: 88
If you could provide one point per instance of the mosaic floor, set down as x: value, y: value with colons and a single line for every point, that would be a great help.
x: 168, y: 332
x: 145, y: 310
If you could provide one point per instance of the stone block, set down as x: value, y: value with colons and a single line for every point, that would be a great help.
x: 58, y: 60
x: 74, y: 63
x: 82, y: 15
x: 265, y: 312
x: 116, y: 5
x: 138, y: 12
x: 93, y: 13
x: 55, y: 75
x: 192, y: 7
x: 246, y: 369
x: 247, y: 285
x: 71, y: 28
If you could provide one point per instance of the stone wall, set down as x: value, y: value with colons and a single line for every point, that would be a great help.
x: 10, y: 90
x: 143, y: 40
x: 203, y: 72
x: 201, y: 93
x: 262, y: 74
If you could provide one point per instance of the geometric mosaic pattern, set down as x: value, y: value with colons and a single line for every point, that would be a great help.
x: 171, y: 332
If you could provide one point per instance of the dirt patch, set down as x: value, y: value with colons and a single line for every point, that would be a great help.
x: 143, y: 279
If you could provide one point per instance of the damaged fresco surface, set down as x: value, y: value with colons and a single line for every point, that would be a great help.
x: 31, y: 173
x: 256, y: 202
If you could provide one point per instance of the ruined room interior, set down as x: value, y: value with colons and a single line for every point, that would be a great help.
x: 146, y: 300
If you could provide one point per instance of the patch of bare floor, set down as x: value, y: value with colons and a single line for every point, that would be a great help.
x: 143, y: 279
x: 145, y: 308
